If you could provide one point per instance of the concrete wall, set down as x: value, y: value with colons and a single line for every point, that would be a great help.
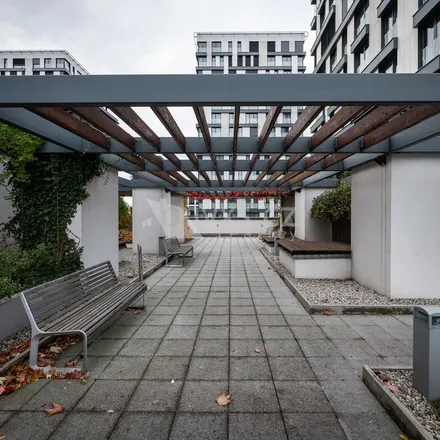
x: 306, y: 227
x: 215, y: 226
x: 177, y: 216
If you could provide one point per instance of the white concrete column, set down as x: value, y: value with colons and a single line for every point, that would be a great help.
x: 306, y: 227
x: 152, y: 218
x: 241, y: 207
x: 177, y: 217
x: 271, y: 208
x: 95, y: 224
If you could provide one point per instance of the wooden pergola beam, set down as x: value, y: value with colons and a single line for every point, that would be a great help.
x: 178, y: 177
x: 164, y: 176
x: 191, y: 176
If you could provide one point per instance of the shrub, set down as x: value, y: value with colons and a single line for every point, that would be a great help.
x: 333, y: 205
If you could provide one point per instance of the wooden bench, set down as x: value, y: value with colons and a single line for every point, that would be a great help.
x: 77, y: 303
x: 174, y: 248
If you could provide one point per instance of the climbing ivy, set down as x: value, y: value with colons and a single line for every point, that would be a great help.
x: 333, y: 205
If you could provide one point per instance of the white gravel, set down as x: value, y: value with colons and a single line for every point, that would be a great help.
x: 421, y: 408
x: 343, y: 292
x: 16, y: 339
x: 128, y: 267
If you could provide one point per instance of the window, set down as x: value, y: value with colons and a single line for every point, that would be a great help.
x: 300, y: 61
x: 214, y: 61
x: 254, y: 132
x: 35, y: 62
x: 284, y: 46
x: 199, y: 134
x: 216, y: 118
x: 272, y: 132
x: 47, y: 62
x: 271, y: 61
x: 240, y: 60
x: 229, y: 46
x: 284, y: 131
x: 251, y: 72
x: 229, y: 60
x: 202, y: 46
x: 216, y: 131
x: 253, y: 46
x: 216, y: 46
x: 202, y: 61
x: 360, y: 59
x: 18, y: 62
x: 231, y: 118
x: 430, y: 40
x: 287, y: 118
x: 49, y: 73
x: 3, y: 73
x: 344, y: 43
x: 13, y: 73
x: 248, y: 60
x: 60, y: 63
x: 238, y: 46
x: 287, y: 61
x: 251, y: 118
x: 222, y: 61
x: 256, y: 60
x: 389, y: 26
x: 73, y: 68
x: 36, y: 73
x: 271, y: 46
x: 299, y: 46
x: 333, y: 59
x: 361, y: 18
x: 5, y: 63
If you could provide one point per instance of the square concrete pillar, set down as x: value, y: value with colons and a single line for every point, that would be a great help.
x: 177, y: 217
x: 241, y: 207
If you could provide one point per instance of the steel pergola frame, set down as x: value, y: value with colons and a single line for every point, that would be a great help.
x: 380, y: 114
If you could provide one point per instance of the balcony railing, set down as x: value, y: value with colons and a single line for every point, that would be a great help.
x: 392, y: 32
x: 362, y: 22
x: 363, y: 62
x: 431, y: 51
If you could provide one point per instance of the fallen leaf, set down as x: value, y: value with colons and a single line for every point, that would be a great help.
x: 72, y: 363
x: 328, y: 312
x: 110, y: 411
x: 224, y: 399
x: 257, y: 350
x: 56, y: 409
x: 2, y: 379
x: 4, y: 391
x: 392, y: 388
x: 401, y: 436
x: 55, y: 349
x: 384, y: 378
x: 83, y: 381
x: 172, y: 381
x: 155, y: 292
x: 155, y: 402
x: 2, y: 437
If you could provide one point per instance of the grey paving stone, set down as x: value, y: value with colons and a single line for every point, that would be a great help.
x: 126, y: 367
x: 130, y: 319
x: 218, y: 301
x: 301, y: 396
x: 217, y: 310
x: 208, y: 368
x: 328, y: 320
x: 242, y: 310
x: 253, y: 396
x: 272, y: 320
x: 290, y: 368
x: 171, y: 301
x: 140, y: 347
x: 106, y: 347
x: 213, y: 332
x: 211, y: 347
x: 308, y: 332
x: 159, y: 320
x: 167, y: 367
x: 256, y: 427
x: 5, y: 415
x: 199, y: 396
x: 135, y: 426
x: 264, y: 302
x: 191, y: 310
x: 314, y: 426
x: 155, y: 396
x: 31, y: 426
x: 193, y: 426
x: 293, y: 310
x: 175, y: 347
x: 215, y: 320
x: 332, y: 368
x: 197, y: 295
x: 283, y: 347
x: 187, y: 320
x: 250, y: 368
x: 244, y: 320
x: 245, y: 347
x: 106, y: 395
x: 406, y: 319
x: 165, y: 310
x: 151, y: 332
x: 339, y: 332
x: 292, y: 301
x: 245, y: 332
x: 297, y: 320
x: 361, y: 426
x: 223, y: 294
x: 318, y: 348
x: 241, y: 302
x: 276, y: 332
x: 354, y: 348
x: 20, y: 397
x: 182, y: 332
x: 86, y: 425
x: 59, y: 391
x: 240, y: 293
x: 268, y: 310
x: 357, y: 320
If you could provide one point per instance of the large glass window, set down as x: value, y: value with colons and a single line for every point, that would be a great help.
x: 216, y: 118
x: 251, y: 118
x: 389, y: 26
x: 216, y: 46
x: 216, y: 131
x: 271, y: 61
x: 202, y: 46
x: 430, y: 40
x: 253, y: 46
x: 361, y: 18
x: 271, y: 46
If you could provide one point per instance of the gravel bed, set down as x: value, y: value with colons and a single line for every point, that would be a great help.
x: 16, y: 339
x: 344, y: 292
x: 420, y: 407
x: 128, y: 267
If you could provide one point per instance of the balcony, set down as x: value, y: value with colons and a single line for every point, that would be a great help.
x: 392, y: 32
x: 431, y: 51
x: 426, y: 11
x: 363, y: 62
x: 362, y: 22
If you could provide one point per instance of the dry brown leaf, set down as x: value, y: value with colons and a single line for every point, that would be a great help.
x: 401, y: 436
x: 155, y: 402
x: 2, y: 437
x: 72, y: 363
x: 224, y: 399
x: 384, y: 378
x: 56, y: 409
x: 328, y: 312
x: 55, y: 349
x: 392, y: 388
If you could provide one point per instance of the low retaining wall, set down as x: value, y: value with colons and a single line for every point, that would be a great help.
x: 237, y: 227
x: 13, y: 318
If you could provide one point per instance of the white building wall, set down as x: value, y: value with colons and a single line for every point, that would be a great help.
x: 226, y: 227
x: 177, y: 217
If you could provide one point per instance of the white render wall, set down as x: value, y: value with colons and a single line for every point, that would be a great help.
x: 178, y: 217
x: 226, y: 227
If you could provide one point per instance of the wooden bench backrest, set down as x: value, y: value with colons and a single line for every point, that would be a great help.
x: 51, y: 300
x: 171, y: 244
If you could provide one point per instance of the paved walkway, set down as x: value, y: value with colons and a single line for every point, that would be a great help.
x: 156, y: 375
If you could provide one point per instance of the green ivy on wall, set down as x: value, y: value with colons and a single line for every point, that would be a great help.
x: 333, y: 205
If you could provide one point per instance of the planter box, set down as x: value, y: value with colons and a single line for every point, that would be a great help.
x: 12, y: 317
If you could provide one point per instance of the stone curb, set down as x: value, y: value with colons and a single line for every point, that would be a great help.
x: 340, y: 309
x: 398, y: 412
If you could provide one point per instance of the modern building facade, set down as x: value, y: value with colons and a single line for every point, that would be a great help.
x: 241, y: 53
x: 39, y: 62
x: 375, y: 36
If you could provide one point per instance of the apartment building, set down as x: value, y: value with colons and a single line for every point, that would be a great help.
x: 375, y: 36
x: 39, y: 62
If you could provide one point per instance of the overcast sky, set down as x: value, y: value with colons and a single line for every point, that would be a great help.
x: 142, y: 36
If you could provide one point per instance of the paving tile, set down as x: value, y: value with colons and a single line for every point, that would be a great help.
x: 194, y: 302
x: 213, y: 332
x: 241, y: 302
x: 215, y: 320
x: 301, y: 396
x: 135, y: 426
x: 242, y: 310
x: 253, y: 396
x: 297, y: 320
x: 332, y: 368
x: 159, y: 320
x: 211, y: 347
x: 106, y: 347
x: 362, y: 426
x: 155, y: 396
x: 268, y: 310
x: 166, y: 310
x: 293, y: 310
x: 106, y: 395
x: 264, y: 302
x: 192, y: 426
x: 328, y: 320
x: 290, y: 368
x: 218, y: 301
x: 318, y: 348
x: 126, y: 367
x: 151, y: 332
x: 250, y: 368
x: 339, y: 332
x: 245, y: 332
x: 199, y: 396
x: 20, y: 397
x: 187, y: 320
x: 217, y: 310
x: 357, y: 320
x: 130, y: 319
x: 167, y: 367
x: 31, y: 426
x: 282, y: 348
x: 276, y: 332
x: 175, y: 347
x: 315, y: 426
x: 182, y: 332
x: 308, y: 332
x: 272, y: 320
x: 244, y: 426
x: 5, y: 415
x: 244, y: 320
x: 208, y: 368
x: 86, y: 426
x: 140, y: 347
x: 354, y: 348
x: 245, y: 347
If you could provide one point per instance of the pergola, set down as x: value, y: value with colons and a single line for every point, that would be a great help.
x: 380, y: 114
